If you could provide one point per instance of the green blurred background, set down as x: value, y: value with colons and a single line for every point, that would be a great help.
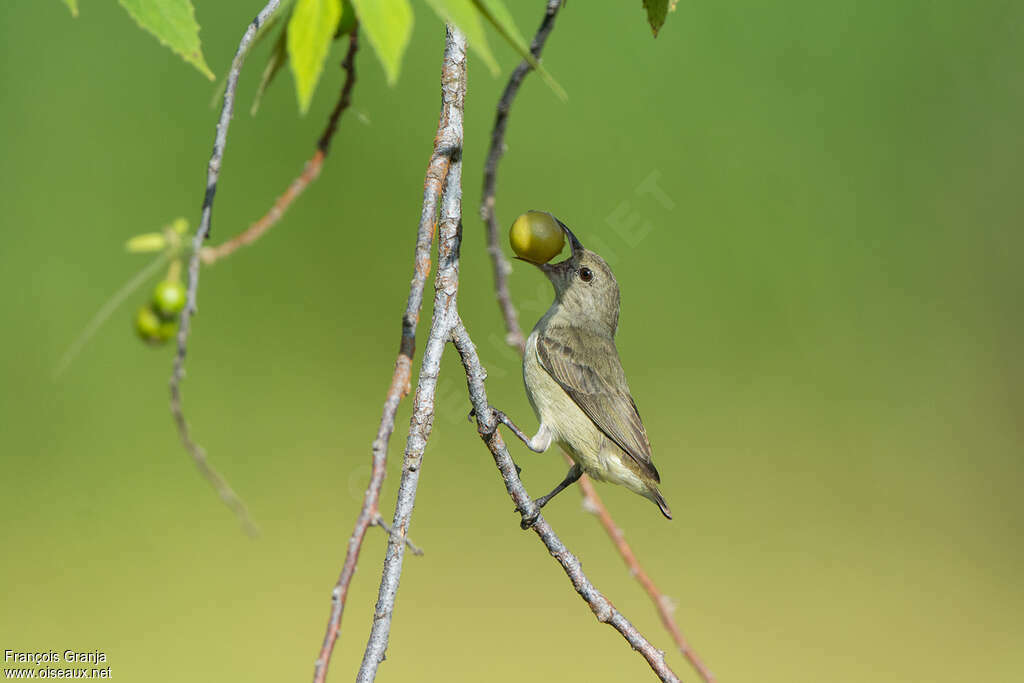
x: 821, y: 324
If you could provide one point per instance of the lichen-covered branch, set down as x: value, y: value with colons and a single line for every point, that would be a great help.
x: 449, y: 140
x: 212, y: 174
x: 310, y: 172
x: 437, y: 171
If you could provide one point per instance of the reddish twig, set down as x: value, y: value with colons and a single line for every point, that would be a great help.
x: 310, y: 172
x: 660, y: 600
x: 516, y: 339
x: 437, y: 171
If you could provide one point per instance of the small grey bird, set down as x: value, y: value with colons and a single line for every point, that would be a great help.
x: 576, y: 384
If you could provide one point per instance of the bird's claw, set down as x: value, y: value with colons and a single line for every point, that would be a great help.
x: 528, y: 520
x: 497, y: 420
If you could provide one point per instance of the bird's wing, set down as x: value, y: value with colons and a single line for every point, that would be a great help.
x: 598, y: 386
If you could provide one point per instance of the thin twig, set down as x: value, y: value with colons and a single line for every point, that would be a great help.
x: 661, y: 601
x: 310, y: 172
x: 449, y: 140
x: 515, y: 338
x: 106, y: 310
x: 603, y: 609
x: 344, y: 99
x: 212, y: 173
x: 415, y: 549
x: 437, y: 171
x: 502, y: 268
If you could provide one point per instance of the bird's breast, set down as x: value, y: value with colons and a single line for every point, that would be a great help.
x: 555, y: 409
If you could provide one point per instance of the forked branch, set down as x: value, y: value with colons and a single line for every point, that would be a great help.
x: 310, y: 172
x: 446, y: 283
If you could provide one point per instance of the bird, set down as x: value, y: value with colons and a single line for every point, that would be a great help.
x: 576, y: 385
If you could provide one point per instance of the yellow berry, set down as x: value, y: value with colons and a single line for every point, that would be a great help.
x: 536, y: 237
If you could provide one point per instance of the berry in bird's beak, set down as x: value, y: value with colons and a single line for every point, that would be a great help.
x: 536, y: 236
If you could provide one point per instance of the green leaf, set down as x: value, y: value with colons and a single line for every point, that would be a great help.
x: 465, y: 15
x: 348, y: 19
x: 309, y: 35
x: 388, y: 25
x: 498, y: 15
x: 657, y: 12
x: 173, y: 22
x: 275, y: 61
x: 73, y: 6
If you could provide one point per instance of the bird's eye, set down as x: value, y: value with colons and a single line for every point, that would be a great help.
x: 586, y: 274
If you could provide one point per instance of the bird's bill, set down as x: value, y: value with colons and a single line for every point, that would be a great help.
x: 549, y: 269
x: 555, y: 270
x: 574, y: 244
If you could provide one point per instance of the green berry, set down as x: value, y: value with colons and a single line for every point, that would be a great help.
x: 147, y: 324
x: 151, y: 328
x: 168, y: 328
x: 169, y: 298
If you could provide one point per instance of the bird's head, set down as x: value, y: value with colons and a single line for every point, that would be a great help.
x: 585, y: 288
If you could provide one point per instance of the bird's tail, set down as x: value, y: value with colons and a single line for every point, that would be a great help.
x: 659, y: 500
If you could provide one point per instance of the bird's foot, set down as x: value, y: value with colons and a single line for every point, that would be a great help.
x: 484, y: 431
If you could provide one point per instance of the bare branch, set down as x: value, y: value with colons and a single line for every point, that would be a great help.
x: 437, y: 171
x: 602, y: 608
x: 515, y: 338
x: 487, y: 212
x: 212, y: 173
x: 309, y: 173
x: 449, y: 139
